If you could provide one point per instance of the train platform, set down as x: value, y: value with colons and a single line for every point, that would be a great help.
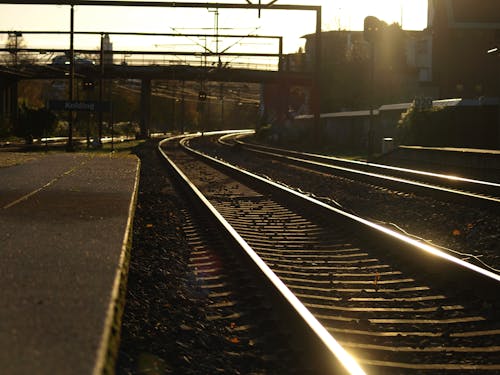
x: 66, y: 228
x: 467, y: 162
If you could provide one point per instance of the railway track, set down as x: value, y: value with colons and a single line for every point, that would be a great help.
x: 206, y: 263
x: 453, y: 188
x: 251, y: 341
x: 397, y: 305
x: 461, y: 224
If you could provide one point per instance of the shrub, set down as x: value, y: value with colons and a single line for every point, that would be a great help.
x: 34, y: 123
x: 429, y: 127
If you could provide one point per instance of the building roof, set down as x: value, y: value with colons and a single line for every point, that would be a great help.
x: 361, y: 113
x: 333, y: 33
x: 477, y: 14
x: 395, y: 107
x: 459, y: 102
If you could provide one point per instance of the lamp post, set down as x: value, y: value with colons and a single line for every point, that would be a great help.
x: 371, y: 29
x: 101, y: 92
x: 69, y: 146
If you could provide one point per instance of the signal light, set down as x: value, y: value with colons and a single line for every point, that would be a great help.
x: 88, y: 84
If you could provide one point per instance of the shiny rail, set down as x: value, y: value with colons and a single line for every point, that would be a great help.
x: 446, y: 186
x: 340, y: 359
x: 400, y: 293
x: 366, y: 284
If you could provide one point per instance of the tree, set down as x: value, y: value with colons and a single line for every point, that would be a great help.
x: 345, y: 74
x: 34, y: 93
x: 34, y: 123
x: 346, y: 82
x: 391, y: 68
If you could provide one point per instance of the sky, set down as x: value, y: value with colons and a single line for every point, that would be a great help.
x: 292, y: 25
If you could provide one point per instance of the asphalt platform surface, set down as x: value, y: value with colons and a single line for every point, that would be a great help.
x: 65, y: 222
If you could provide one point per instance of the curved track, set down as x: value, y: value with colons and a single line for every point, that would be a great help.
x: 462, y: 224
x: 397, y: 305
x: 450, y: 187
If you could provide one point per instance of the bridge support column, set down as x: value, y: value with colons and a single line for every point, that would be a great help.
x: 14, y: 108
x: 8, y: 104
x: 3, y: 102
x: 145, y: 107
x: 284, y: 104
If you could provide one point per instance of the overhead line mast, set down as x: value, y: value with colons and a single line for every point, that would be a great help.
x: 163, y: 4
x: 249, y: 5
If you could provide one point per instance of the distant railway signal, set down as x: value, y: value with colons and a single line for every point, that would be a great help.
x: 88, y: 84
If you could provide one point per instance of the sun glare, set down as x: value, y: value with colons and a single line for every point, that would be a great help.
x: 292, y: 25
x: 349, y: 14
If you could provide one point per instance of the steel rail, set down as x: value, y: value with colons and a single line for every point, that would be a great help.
x: 471, y: 269
x: 416, y: 172
x: 271, y: 245
x: 346, y: 363
x: 434, y: 268
x: 397, y: 182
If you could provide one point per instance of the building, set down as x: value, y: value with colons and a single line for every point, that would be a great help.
x: 402, y: 67
x: 294, y: 62
x: 448, y: 59
x: 107, y: 46
x: 462, y: 33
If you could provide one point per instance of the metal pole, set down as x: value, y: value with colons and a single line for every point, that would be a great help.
x: 221, y: 97
x: 372, y: 95
x: 174, y: 100
x: 111, y: 114
x: 101, y: 92
x: 207, y: 113
x: 182, y: 108
x: 87, y: 135
x: 69, y: 145
x: 280, y: 51
x: 316, y: 80
x: 112, y: 131
x: 15, y: 54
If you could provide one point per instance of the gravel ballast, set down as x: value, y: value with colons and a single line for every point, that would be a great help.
x: 166, y: 325
x: 468, y: 230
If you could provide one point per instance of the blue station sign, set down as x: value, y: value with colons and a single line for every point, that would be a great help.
x: 80, y: 105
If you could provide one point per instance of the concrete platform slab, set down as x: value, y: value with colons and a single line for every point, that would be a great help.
x: 65, y: 222
x: 472, y: 163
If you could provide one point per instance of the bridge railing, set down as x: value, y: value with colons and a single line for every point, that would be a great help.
x: 209, y: 61
x: 26, y: 57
